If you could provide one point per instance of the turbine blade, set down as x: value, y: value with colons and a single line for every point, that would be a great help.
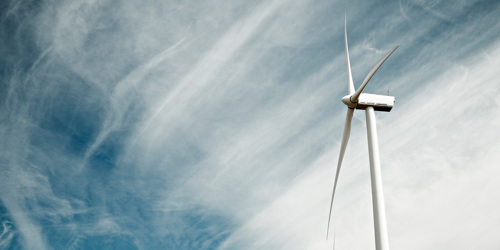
x: 349, y: 74
x: 355, y: 96
x: 345, y: 139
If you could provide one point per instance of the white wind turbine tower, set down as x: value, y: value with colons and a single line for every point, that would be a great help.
x: 370, y: 103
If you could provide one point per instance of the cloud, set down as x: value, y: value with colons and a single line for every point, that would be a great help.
x: 6, y: 235
x: 216, y: 125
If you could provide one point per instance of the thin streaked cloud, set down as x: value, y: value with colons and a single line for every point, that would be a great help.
x: 217, y: 125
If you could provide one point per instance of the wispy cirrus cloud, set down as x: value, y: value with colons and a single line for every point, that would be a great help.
x: 215, y: 125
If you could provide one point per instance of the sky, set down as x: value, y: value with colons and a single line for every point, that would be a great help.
x: 217, y: 124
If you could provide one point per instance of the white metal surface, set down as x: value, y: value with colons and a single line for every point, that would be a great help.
x: 370, y: 103
x: 381, y: 237
x: 350, y: 83
x: 343, y: 146
x: 368, y: 77
x: 378, y: 102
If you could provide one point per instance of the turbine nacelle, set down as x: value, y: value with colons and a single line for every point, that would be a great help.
x: 378, y: 102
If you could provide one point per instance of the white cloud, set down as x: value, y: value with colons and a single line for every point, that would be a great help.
x: 201, y: 121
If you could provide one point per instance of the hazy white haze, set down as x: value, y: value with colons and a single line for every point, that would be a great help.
x: 217, y: 124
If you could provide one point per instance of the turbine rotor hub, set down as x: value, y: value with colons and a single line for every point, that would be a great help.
x: 347, y: 101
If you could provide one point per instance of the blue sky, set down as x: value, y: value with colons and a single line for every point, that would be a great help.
x: 217, y: 124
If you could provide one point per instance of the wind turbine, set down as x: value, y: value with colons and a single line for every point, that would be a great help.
x: 370, y: 103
